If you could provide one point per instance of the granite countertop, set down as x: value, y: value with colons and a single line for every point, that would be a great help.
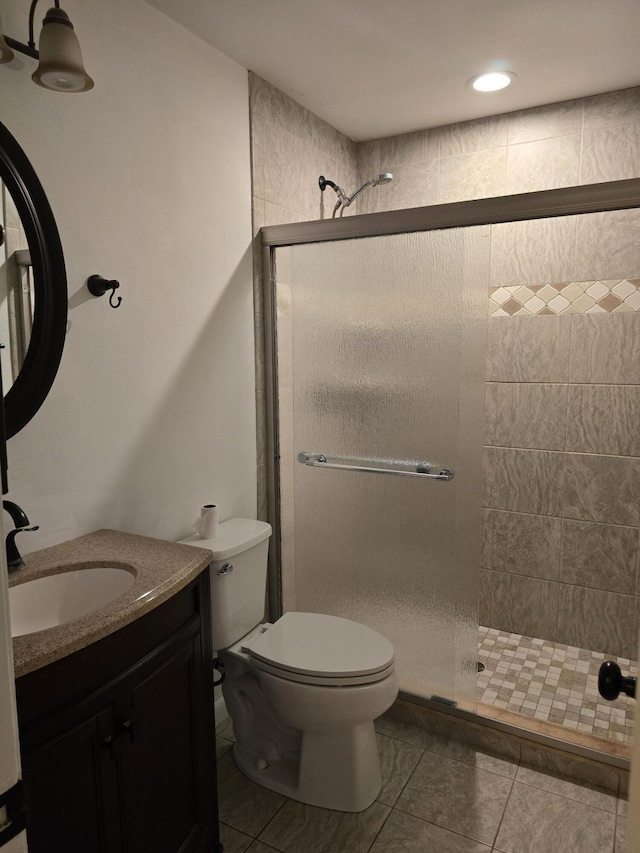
x: 161, y: 569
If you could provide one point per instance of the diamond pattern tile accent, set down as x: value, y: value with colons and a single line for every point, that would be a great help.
x: 572, y: 297
x: 609, y: 302
x: 522, y: 294
x: 633, y: 301
x: 597, y: 290
x: 547, y: 293
x: 584, y: 302
x: 500, y: 295
x: 623, y: 289
x: 534, y: 305
x: 511, y: 306
x: 558, y: 304
x: 572, y: 290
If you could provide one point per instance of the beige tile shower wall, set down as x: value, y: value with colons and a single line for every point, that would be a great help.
x: 290, y: 149
x: 585, y: 141
x: 562, y: 462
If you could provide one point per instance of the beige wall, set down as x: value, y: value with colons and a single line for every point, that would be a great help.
x: 562, y: 506
x: 152, y: 413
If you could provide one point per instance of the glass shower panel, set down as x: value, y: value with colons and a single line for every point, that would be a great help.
x: 381, y: 353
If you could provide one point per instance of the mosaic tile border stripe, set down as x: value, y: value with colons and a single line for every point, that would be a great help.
x: 573, y: 297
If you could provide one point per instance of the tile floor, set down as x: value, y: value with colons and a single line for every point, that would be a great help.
x: 553, y: 682
x: 438, y: 796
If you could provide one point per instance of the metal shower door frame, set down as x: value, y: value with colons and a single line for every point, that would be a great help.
x: 569, y: 201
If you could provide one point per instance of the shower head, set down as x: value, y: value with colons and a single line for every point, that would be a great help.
x: 343, y: 199
x: 383, y: 178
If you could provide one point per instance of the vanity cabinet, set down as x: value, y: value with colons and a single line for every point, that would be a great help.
x: 117, y: 739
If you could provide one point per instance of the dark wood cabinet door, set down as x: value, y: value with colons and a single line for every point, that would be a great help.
x: 71, y: 786
x: 162, y: 762
x: 117, y: 738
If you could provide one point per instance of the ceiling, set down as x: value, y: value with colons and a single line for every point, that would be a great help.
x: 375, y: 68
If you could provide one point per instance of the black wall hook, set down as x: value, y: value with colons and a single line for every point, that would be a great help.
x: 98, y: 286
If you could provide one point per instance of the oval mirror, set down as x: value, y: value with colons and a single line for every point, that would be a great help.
x: 33, y: 288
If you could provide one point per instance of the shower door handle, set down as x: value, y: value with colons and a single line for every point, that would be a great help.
x: 611, y: 682
x: 420, y: 469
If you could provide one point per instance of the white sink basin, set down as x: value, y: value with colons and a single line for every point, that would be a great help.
x: 57, y: 599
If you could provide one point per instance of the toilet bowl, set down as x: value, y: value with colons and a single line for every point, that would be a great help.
x: 302, y: 692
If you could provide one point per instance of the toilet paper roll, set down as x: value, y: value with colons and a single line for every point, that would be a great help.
x: 207, y: 525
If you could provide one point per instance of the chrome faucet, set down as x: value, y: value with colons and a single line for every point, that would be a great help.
x: 22, y: 523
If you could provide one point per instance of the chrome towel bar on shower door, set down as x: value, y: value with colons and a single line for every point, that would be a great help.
x: 422, y: 469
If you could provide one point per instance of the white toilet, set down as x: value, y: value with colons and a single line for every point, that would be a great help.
x: 302, y: 692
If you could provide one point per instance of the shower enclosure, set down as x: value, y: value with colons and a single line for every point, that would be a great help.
x: 377, y: 330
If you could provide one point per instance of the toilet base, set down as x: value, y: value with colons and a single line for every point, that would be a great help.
x: 338, y: 769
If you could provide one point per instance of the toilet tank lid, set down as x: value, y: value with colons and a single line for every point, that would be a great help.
x: 234, y: 536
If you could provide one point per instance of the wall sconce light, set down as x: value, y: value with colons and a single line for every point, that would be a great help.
x: 60, y: 65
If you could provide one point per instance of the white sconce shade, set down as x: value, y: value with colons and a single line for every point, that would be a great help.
x: 61, y: 67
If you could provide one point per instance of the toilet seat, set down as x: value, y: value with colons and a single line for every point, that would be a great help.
x: 313, y: 648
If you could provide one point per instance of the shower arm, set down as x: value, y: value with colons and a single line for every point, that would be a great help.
x: 372, y: 182
x: 357, y: 193
x: 343, y: 199
x: 342, y: 204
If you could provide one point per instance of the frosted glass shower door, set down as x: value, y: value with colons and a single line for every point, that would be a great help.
x: 387, y: 370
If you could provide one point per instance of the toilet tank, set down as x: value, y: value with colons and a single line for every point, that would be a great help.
x: 238, y: 577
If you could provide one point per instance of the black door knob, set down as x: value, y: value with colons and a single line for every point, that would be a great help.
x: 611, y: 682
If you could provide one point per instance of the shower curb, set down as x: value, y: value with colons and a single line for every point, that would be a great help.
x: 545, y: 752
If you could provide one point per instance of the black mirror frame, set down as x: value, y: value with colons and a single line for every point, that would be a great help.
x: 41, y: 363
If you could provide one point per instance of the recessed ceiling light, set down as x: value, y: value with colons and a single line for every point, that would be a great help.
x: 493, y: 81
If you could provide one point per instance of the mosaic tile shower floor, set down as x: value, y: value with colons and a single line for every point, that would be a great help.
x: 552, y: 682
